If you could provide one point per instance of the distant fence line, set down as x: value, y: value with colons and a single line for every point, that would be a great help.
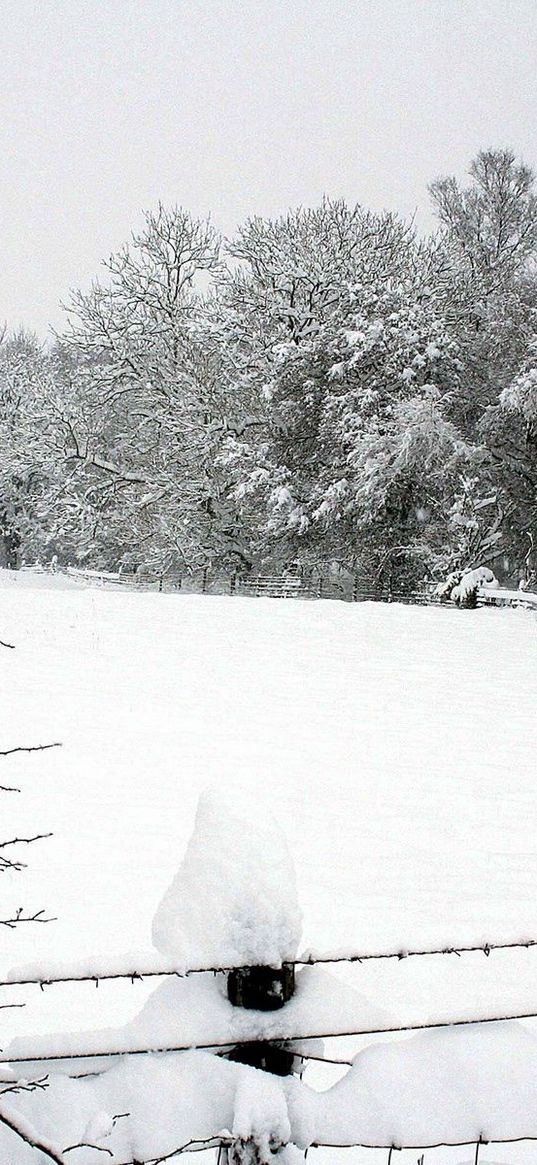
x: 348, y: 588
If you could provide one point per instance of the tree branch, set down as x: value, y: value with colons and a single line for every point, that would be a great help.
x: 27, y: 1134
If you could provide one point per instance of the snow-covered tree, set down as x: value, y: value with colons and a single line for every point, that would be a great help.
x: 146, y: 408
x: 490, y: 292
x: 346, y: 364
x: 491, y: 224
x: 327, y: 388
x: 29, y: 470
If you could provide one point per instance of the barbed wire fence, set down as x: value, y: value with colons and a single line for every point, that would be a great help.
x: 286, y: 1038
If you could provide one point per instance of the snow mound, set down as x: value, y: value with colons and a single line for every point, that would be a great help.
x: 439, y: 1087
x: 233, y: 901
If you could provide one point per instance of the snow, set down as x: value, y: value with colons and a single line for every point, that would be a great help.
x: 260, y: 1110
x: 380, y: 737
x: 148, y: 1090
x: 99, y: 1127
x: 437, y: 1088
x: 393, y: 746
x: 522, y: 597
x: 234, y: 899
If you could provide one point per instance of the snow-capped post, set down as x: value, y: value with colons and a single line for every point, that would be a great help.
x: 233, y: 904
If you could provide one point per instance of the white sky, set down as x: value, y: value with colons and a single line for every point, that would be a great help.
x: 238, y: 107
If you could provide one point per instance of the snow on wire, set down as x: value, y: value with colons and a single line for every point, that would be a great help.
x: 286, y: 1038
x: 306, y: 960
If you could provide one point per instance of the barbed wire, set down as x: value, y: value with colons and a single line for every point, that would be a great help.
x: 306, y: 960
x: 417, y: 1148
x: 202, y: 1144
x: 283, y: 1037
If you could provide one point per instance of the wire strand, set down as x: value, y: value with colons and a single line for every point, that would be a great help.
x: 136, y: 974
x: 284, y: 1037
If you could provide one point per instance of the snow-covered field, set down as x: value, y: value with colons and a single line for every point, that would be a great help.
x: 395, y: 746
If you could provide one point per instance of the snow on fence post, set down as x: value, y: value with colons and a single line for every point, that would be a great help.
x: 233, y: 904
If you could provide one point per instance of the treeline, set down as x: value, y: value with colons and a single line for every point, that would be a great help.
x: 326, y: 389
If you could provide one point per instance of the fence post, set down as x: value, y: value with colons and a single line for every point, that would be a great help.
x: 355, y: 589
x: 204, y: 581
x: 264, y: 989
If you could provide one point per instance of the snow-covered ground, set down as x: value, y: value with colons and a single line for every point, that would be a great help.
x: 394, y: 745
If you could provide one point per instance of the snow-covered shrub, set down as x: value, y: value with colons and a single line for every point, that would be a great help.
x: 465, y: 592
x: 445, y: 589
x: 462, y: 586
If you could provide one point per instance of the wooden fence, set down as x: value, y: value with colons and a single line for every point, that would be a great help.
x: 349, y: 588
x: 290, y: 586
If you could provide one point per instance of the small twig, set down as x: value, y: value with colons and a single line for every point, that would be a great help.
x: 195, y: 1146
x: 19, y: 917
x: 190, y: 1146
x: 88, y: 1145
x: 98, y: 1148
x: 24, y: 840
x: 30, y: 748
x: 10, y: 645
x: 27, y: 1086
x: 7, y: 864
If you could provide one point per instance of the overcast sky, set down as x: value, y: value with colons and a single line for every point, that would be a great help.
x: 237, y: 107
